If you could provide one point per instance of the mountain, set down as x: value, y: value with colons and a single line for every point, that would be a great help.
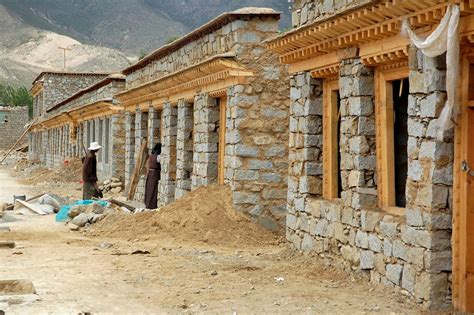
x: 131, y: 26
x: 25, y: 51
x: 103, y: 35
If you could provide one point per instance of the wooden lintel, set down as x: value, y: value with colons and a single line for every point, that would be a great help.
x: 315, y: 62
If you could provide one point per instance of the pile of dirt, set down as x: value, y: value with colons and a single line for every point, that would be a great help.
x: 69, y: 171
x: 203, y: 215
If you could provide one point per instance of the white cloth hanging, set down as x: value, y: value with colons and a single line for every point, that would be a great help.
x: 445, y: 38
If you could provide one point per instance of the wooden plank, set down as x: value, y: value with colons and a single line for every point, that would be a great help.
x: 28, y: 206
x: 222, y: 132
x: 140, y: 161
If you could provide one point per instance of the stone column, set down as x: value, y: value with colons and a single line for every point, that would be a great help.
x: 357, y: 140
x: 206, y: 138
x: 117, y: 139
x: 429, y: 183
x: 129, y: 145
x: 305, y: 151
x: 153, y: 128
x: 141, y: 132
x: 184, y: 146
x: 166, y: 188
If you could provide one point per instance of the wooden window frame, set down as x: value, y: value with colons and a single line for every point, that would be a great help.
x: 462, y: 284
x: 330, y: 140
x: 222, y: 146
x: 384, y: 115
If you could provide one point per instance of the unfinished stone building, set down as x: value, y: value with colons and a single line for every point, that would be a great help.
x: 217, y: 101
x: 13, y: 121
x: 369, y: 182
x: 66, y: 129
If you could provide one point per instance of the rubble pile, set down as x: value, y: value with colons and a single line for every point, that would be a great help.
x: 85, y: 215
x: 113, y: 185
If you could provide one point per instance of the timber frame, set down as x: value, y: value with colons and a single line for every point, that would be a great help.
x: 463, y: 218
x: 213, y: 76
x: 384, y: 117
x: 331, y: 116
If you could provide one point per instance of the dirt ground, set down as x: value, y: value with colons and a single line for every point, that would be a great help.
x: 75, y: 272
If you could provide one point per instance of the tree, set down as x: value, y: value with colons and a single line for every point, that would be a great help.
x: 11, y: 96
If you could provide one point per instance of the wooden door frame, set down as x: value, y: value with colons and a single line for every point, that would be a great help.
x: 330, y: 145
x: 463, y: 203
x: 222, y: 132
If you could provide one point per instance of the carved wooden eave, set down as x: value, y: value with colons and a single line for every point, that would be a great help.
x: 211, y: 76
x: 36, y: 89
x: 101, y: 108
x: 374, y: 30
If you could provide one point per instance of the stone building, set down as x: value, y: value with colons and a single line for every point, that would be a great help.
x: 66, y: 128
x: 369, y: 182
x: 13, y: 121
x: 217, y: 101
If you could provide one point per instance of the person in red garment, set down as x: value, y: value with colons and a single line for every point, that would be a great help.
x: 89, y: 173
x: 153, y: 177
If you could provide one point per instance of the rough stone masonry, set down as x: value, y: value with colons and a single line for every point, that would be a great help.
x: 253, y: 154
x: 12, y: 124
x: 410, y: 251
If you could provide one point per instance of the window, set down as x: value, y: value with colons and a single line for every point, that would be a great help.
x: 332, y: 183
x: 392, y: 138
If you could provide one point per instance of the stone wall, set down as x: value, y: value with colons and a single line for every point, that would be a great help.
x: 12, y: 125
x: 255, y: 162
x: 307, y: 11
x: 411, y: 252
x: 58, y: 87
x: 104, y: 92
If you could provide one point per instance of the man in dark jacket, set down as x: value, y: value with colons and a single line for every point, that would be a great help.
x: 89, y: 173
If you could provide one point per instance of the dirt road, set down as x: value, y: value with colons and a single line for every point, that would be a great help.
x: 75, y: 273
x: 9, y: 186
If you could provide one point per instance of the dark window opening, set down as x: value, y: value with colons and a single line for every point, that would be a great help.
x: 338, y: 137
x: 400, y: 139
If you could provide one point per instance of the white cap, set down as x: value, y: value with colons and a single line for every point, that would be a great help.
x: 94, y: 146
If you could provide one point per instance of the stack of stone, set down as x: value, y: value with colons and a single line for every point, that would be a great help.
x: 85, y: 215
x: 113, y: 185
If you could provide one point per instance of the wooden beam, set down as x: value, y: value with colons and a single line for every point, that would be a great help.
x: 140, y: 158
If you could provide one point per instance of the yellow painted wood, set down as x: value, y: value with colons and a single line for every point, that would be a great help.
x: 222, y: 132
x: 330, y: 140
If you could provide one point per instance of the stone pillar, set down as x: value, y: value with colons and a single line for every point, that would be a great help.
x: 206, y: 138
x: 117, y: 139
x: 166, y: 188
x: 141, y: 132
x: 153, y: 128
x: 129, y: 145
x: 305, y: 151
x: 184, y: 146
x: 429, y: 183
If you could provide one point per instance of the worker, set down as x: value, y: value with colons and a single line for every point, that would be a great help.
x: 153, y: 177
x: 89, y: 173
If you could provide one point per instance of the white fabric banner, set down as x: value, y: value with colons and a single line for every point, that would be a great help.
x: 445, y: 38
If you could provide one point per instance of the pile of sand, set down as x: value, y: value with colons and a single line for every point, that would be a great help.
x: 69, y: 171
x: 204, y: 215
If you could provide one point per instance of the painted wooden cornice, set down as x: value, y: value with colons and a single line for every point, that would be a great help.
x: 210, y: 76
x: 374, y: 29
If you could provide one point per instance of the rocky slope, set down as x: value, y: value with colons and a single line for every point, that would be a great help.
x: 25, y: 51
x: 101, y: 33
x: 131, y: 26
